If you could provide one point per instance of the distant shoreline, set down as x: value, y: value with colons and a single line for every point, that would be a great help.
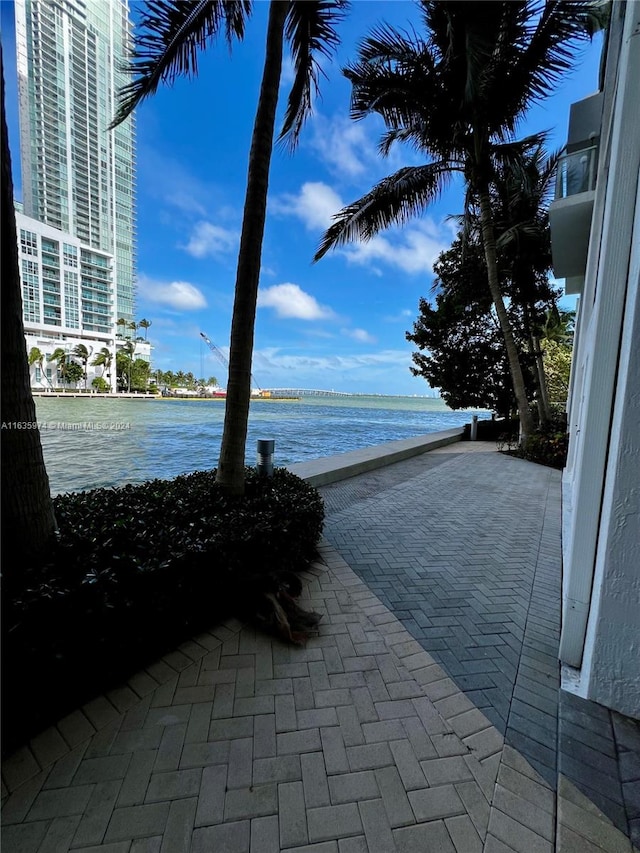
x: 80, y: 395
x: 123, y: 395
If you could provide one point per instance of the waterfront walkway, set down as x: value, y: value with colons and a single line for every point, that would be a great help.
x: 426, y: 715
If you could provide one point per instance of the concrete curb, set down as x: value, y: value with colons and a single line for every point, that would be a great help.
x: 321, y: 472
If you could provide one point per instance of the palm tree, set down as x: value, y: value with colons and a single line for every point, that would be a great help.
x: 457, y: 96
x: 166, y: 46
x: 122, y: 323
x: 521, y: 194
x: 27, y: 508
x: 103, y: 359
x: 36, y: 356
x: 61, y: 357
x: 144, y: 324
x: 84, y: 354
x: 128, y: 351
x: 558, y: 326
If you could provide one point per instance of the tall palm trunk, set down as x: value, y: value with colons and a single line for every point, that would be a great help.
x: 545, y: 406
x: 230, y: 473
x: 27, y: 510
x: 489, y: 244
x: 544, y: 410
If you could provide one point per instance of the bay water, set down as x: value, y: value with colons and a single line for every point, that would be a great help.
x: 92, y: 442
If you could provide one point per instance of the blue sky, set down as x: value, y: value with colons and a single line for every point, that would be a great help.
x: 338, y: 324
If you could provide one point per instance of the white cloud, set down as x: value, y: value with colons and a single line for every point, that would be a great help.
x: 386, y: 371
x: 272, y: 358
x: 288, y: 73
x: 178, y: 188
x: 179, y: 295
x: 208, y: 239
x: 360, y: 335
x: 315, y: 205
x: 186, y: 203
x: 290, y: 301
x: 349, y: 149
x: 400, y: 317
x: 412, y: 249
x: 343, y: 145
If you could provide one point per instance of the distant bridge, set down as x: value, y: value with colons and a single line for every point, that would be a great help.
x: 301, y: 392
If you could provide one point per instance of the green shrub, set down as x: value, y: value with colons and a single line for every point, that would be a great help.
x: 547, y: 448
x: 136, y: 570
x: 548, y: 445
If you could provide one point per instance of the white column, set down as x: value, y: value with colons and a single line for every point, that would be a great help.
x: 607, y: 273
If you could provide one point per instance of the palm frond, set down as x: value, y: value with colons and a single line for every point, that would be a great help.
x: 552, y: 48
x: 311, y: 32
x: 393, y: 68
x: 166, y: 44
x: 397, y: 77
x: 500, y: 57
x: 393, y: 201
x: 416, y: 135
x: 518, y: 234
x: 389, y: 46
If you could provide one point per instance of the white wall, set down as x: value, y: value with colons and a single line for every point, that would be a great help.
x: 601, y: 527
x: 612, y: 645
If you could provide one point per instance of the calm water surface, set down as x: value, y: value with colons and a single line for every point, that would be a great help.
x: 91, y: 443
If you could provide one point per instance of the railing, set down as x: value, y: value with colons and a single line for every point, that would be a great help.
x: 576, y: 172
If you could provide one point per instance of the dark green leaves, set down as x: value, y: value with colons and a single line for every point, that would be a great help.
x: 394, y: 201
x: 311, y: 33
x: 168, y: 39
x: 137, y: 571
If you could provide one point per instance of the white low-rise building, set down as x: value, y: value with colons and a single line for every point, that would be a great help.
x: 68, y: 301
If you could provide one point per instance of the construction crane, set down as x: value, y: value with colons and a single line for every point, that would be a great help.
x: 222, y: 357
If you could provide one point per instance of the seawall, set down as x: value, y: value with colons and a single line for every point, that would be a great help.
x: 330, y: 469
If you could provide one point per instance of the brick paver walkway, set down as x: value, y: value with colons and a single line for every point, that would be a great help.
x: 463, y: 545
x: 465, y: 550
x: 359, y: 742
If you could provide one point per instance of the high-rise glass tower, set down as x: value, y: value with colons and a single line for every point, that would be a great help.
x: 77, y: 175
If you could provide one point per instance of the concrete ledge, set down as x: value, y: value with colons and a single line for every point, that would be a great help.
x: 320, y: 472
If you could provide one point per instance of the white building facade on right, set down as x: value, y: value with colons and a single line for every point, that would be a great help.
x: 595, y: 233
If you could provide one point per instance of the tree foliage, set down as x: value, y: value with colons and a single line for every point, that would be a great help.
x: 461, y: 347
x: 456, y: 94
x: 557, y: 367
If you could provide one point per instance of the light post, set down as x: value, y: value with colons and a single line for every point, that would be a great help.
x: 266, y: 446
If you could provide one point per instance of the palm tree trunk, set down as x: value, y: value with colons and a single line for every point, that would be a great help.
x: 230, y: 472
x: 542, y: 379
x: 489, y: 244
x: 542, y: 398
x: 27, y: 510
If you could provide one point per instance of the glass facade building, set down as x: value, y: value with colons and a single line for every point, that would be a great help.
x: 77, y: 175
x: 67, y: 288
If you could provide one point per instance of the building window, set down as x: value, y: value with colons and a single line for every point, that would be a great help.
x: 30, y: 291
x: 70, y: 255
x: 28, y: 242
x: 71, y: 301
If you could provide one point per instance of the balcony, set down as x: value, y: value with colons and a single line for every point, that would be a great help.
x: 570, y: 214
x: 576, y: 173
x: 571, y: 211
